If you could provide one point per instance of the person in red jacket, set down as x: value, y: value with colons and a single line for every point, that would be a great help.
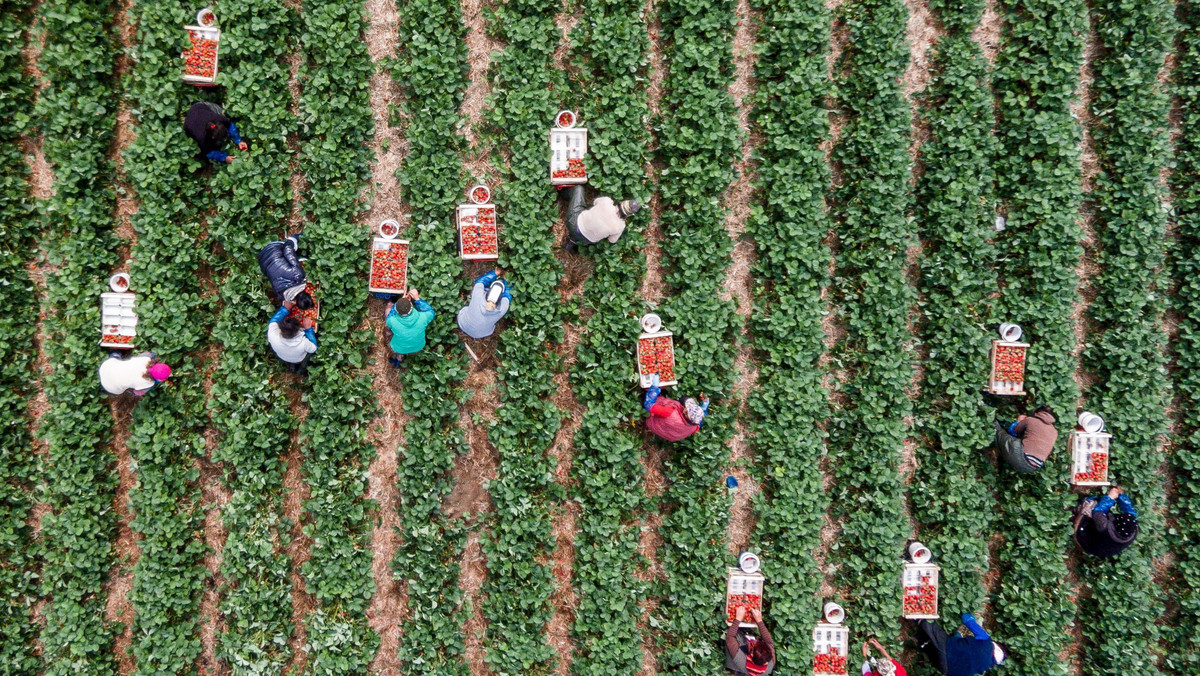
x: 673, y: 420
x: 886, y: 666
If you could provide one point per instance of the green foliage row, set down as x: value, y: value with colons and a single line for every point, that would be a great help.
x: 18, y: 225
x: 955, y: 210
x: 699, y: 142
x: 253, y: 199
x: 792, y: 268
x: 432, y: 68
x: 609, y: 46
x: 1181, y: 640
x: 336, y: 125
x: 1036, y: 78
x: 519, y: 541
x: 870, y: 208
x: 165, y: 435
x: 76, y: 112
x: 1129, y: 109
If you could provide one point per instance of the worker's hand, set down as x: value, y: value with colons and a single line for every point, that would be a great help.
x: 875, y: 642
x: 413, y: 294
x: 229, y: 159
x: 291, y: 305
x: 388, y: 311
x: 865, y: 653
x: 757, y: 615
x: 306, y: 323
x: 499, y: 272
x: 243, y: 146
x: 740, y: 614
x: 1021, y: 417
x: 1114, y: 492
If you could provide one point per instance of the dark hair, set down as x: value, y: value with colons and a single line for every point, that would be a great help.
x: 304, y: 301
x: 403, y: 306
x: 1046, y: 409
x: 289, y: 327
x: 217, y: 132
x: 761, y: 654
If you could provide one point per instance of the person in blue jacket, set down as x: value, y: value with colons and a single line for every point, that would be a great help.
x: 208, y: 126
x: 490, y: 299
x: 957, y: 655
x: 290, y: 344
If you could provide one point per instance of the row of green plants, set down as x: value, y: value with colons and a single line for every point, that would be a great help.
x: 76, y: 113
x: 524, y: 494
x: 792, y: 266
x: 1181, y: 637
x: 1036, y: 78
x: 699, y: 142
x: 1129, y: 108
x: 336, y: 125
x: 253, y: 200
x: 18, y: 227
x: 165, y: 435
x: 955, y: 211
x: 870, y: 208
x: 432, y: 68
x: 609, y: 47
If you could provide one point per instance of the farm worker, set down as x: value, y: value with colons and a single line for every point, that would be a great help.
x: 957, y: 655
x: 887, y: 666
x: 1101, y: 533
x: 673, y: 420
x: 489, y: 303
x: 745, y: 654
x: 407, y: 318
x: 279, y: 263
x: 605, y: 220
x: 210, y: 129
x: 140, y: 373
x: 284, y: 335
x: 1026, y: 443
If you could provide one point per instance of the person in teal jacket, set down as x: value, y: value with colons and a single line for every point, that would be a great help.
x: 407, y: 318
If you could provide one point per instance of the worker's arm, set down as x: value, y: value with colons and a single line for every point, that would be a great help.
x: 764, y: 635
x: 731, y: 644
x: 487, y: 279
x: 703, y: 407
x: 1104, y: 505
x: 311, y: 335
x: 503, y: 305
x: 217, y: 155
x: 233, y: 133
x: 980, y: 633
x: 651, y: 396
x: 1127, y: 505
x: 1019, y: 429
x: 425, y: 309
x: 279, y: 316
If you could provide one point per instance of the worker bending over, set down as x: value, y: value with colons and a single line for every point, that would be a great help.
x: 1027, y: 443
x: 210, y: 129
x: 747, y: 654
x: 605, y: 220
x: 957, y: 655
x: 279, y: 263
x: 888, y: 666
x: 1101, y: 533
x: 138, y: 374
x: 489, y: 303
x: 408, y: 325
x: 673, y: 420
x: 285, y: 337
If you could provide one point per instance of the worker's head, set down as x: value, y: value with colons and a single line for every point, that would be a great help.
x: 999, y: 652
x: 692, y: 410
x: 289, y: 327
x: 628, y: 208
x: 217, y: 132
x: 1046, y: 409
x: 403, y: 307
x: 760, y: 653
x: 304, y: 301
x: 1125, y: 526
x: 493, y: 295
x: 158, y: 371
x: 885, y: 667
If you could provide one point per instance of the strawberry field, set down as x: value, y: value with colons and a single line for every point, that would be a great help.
x: 841, y: 203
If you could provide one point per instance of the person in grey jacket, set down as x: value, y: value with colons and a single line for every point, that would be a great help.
x: 490, y: 299
x: 279, y: 263
x: 604, y: 220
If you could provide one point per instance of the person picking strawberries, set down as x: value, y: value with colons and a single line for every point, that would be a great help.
x: 1026, y: 443
x: 1102, y: 533
x: 670, y: 419
x: 290, y: 345
x: 957, y: 655
x: 138, y: 374
x: 746, y: 654
x: 408, y: 325
x: 888, y: 666
x: 605, y: 220
x: 208, y: 126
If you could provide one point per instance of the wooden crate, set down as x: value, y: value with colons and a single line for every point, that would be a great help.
x: 1004, y: 379
x: 389, y: 266
x: 919, y: 591
x: 118, y: 320
x: 202, y: 33
x: 567, y: 145
x: 833, y: 642
x: 478, y: 232
x: 1089, y: 457
x: 645, y: 342
x: 742, y: 589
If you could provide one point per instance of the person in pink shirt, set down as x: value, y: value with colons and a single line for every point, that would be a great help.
x: 670, y: 419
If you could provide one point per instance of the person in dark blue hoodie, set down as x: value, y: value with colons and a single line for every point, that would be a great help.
x: 957, y: 655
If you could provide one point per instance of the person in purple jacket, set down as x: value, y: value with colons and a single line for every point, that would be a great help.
x: 670, y: 419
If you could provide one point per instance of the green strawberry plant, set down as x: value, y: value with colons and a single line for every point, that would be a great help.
x: 791, y: 267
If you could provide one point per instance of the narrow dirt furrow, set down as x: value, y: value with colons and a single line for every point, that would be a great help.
x: 214, y: 498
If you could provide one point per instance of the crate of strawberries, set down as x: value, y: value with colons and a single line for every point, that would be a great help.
x: 478, y: 238
x: 831, y: 644
x: 314, y: 312
x: 1089, y: 455
x: 1008, y: 368
x: 920, y: 583
x: 118, y: 320
x: 656, y: 355
x: 568, y: 146
x: 742, y: 590
x: 200, y: 62
x: 389, y: 261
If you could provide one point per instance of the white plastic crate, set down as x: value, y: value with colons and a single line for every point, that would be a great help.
x: 1089, y: 455
x: 206, y: 33
x: 384, y: 277
x: 475, y: 217
x: 742, y: 588
x: 567, y: 144
x: 1007, y: 380
x: 833, y: 641
x: 645, y: 340
x: 118, y: 320
x: 916, y: 580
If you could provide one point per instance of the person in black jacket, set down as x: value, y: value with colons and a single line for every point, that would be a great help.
x: 210, y: 129
x: 279, y: 263
x: 1101, y: 533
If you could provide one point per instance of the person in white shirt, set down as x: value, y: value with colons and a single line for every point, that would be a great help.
x: 139, y: 374
x: 285, y: 336
x: 605, y: 220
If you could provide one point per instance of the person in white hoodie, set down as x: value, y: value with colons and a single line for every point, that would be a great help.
x: 138, y: 374
x: 293, y: 340
x: 604, y: 220
x: 489, y: 303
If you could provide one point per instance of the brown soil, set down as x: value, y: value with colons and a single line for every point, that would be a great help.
x: 120, y: 576
x: 295, y: 492
x: 480, y: 47
x: 987, y: 32
x: 653, y: 289
x: 473, y: 571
